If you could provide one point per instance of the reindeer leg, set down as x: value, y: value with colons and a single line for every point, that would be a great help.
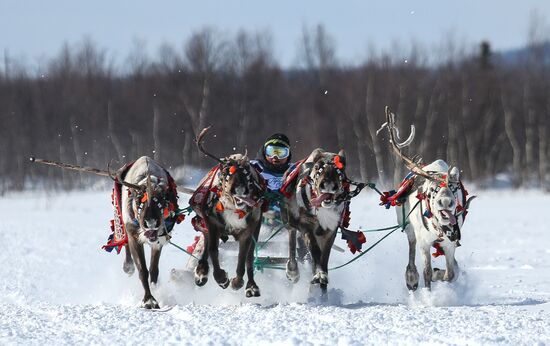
x: 154, y: 265
x: 411, y: 274
x: 292, y: 272
x: 219, y: 274
x: 252, y: 289
x: 148, y: 302
x: 128, y: 266
x: 326, y: 241
x: 302, y: 248
x: 425, y: 250
x: 315, y: 257
x: 201, y: 270
x: 244, y: 245
x: 451, y: 266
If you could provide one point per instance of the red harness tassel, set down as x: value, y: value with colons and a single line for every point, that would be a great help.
x: 118, y: 238
x: 438, y: 250
x: 289, y: 180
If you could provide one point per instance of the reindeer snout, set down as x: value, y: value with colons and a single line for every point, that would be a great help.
x: 446, y: 203
x: 328, y: 187
x: 151, y: 223
x: 151, y: 234
x: 241, y: 191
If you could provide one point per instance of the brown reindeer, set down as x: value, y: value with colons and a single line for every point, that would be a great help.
x: 147, y: 198
x: 231, y: 205
x: 315, y: 209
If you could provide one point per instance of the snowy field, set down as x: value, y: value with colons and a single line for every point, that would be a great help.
x: 59, y: 287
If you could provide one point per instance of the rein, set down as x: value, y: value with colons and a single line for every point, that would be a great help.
x: 401, y: 226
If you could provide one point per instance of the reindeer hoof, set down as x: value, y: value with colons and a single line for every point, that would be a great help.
x: 149, y: 303
x: 129, y: 268
x: 411, y: 278
x: 200, y: 278
x: 221, y: 278
x: 237, y: 283
x: 438, y: 275
x: 412, y: 287
x: 201, y: 273
x: 252, y: 291
x: 224, y: 284
x: 320, y: 278
x: 292, y: 272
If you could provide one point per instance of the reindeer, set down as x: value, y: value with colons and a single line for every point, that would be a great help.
x: 316, y: 210
x: 436, y: 211
x: 145, y: 200
x: 232, y: 205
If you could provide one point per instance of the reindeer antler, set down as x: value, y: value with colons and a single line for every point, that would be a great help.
x: 118, y: 178
x: 411, y: 163
x: 199, y: 141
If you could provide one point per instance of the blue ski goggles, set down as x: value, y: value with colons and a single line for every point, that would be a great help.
x: 272, y: 151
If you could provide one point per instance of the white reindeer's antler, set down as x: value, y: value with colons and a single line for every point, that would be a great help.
x: 411, y: 163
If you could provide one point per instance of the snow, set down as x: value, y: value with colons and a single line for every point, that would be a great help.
x: 59, y: 287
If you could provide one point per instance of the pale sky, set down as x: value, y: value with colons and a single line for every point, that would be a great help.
x: 34, y: 29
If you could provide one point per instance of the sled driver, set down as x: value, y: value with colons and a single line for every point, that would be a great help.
x: 273, y: 160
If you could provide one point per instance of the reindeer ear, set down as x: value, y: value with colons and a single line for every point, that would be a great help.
x: 315, y: 155
x: 454, y: 175
x: 342, y: 154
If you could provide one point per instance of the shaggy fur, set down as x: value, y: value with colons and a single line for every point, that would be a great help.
x: 425, y: 232
x: 317, y: 224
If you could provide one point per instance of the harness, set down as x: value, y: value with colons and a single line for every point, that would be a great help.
x: 168, y: 203
x: 252, y: 184
x: 287, y: 189
x: 209, y: 196
x: 199, y: 199
x: 305, y: 181
x: 397, y: 198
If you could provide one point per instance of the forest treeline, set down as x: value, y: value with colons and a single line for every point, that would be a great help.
x: 488, y: 117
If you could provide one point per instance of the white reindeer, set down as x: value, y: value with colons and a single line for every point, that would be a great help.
x: 436, y: 210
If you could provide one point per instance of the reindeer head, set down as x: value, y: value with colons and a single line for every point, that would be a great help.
x: 239, y: 182
x: 443, y: 194
x: 149, y: 204
x: 327, y: 177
